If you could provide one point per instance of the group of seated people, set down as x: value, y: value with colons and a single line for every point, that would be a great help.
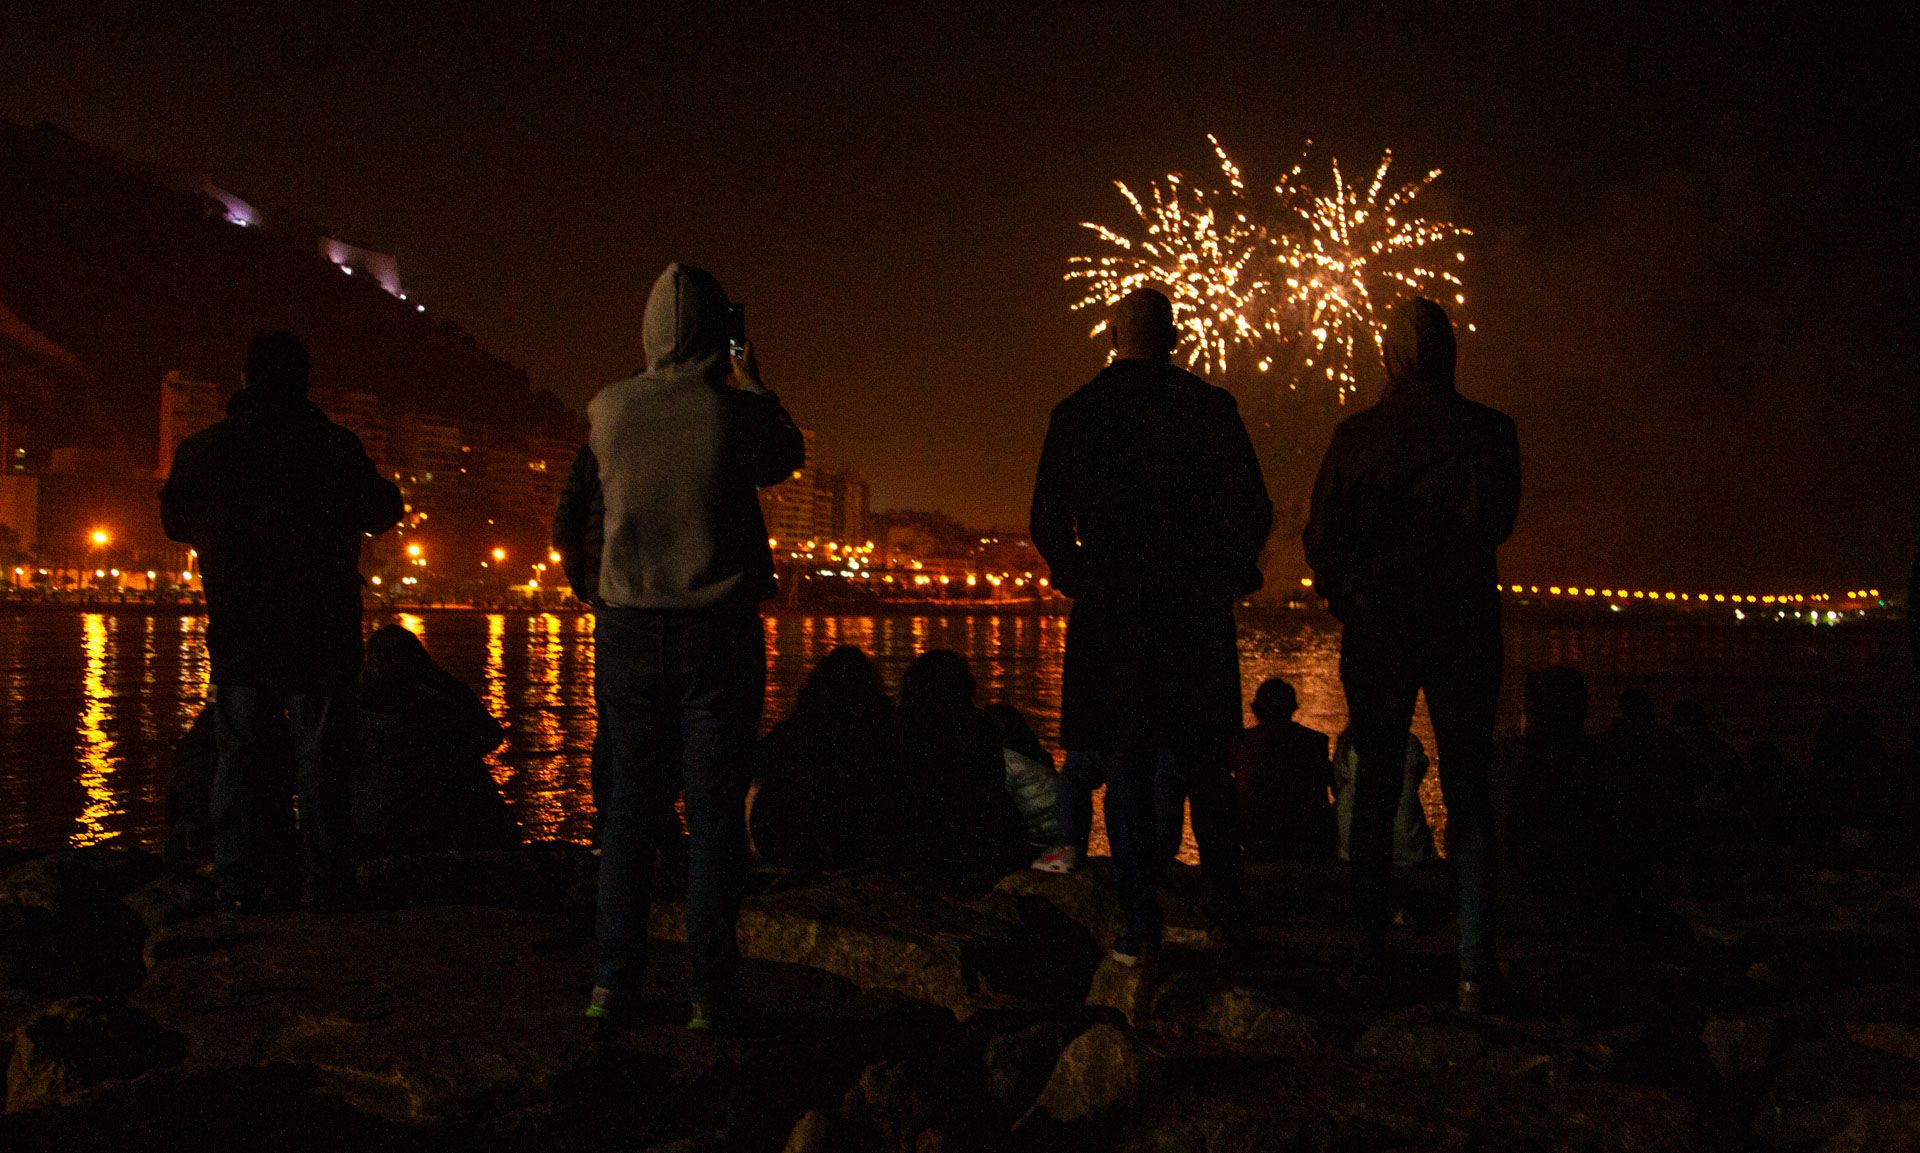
x: 420, y: 778
x: 853, y: 779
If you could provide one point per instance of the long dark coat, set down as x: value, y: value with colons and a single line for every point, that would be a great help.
x: 1151, y: 511
x: 276, y: 498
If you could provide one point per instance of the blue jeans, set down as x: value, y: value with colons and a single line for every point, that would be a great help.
x: 1459, y: 669
x: 1086, y: 771
x: 1145, y: 788
x: 680, y: 695
x: 249, y: 802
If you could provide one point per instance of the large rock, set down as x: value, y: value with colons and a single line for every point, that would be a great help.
x: 81, y: 1042
x: 416, y: 1014
x: 1101, y: 1074
x: 1255, y: 1012
x: 880, y: 931
x: 1315, y: 1102
x: 548, y: 876
x: 63, y: 928
x: 1842, y: 1098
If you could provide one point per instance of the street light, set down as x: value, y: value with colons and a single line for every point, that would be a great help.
x: 499, y: 554
x: 101, y: 538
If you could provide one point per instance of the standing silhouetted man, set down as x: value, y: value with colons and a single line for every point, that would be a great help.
x: 680, y: 664
x: 1151, y: 511
x: 1413, y: 498
x: 276, y: 499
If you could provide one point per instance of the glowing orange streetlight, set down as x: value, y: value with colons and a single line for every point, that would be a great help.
x: 413, y: 550
x: 499, y: 554
x: 553, y: 556
x: 101, y: 538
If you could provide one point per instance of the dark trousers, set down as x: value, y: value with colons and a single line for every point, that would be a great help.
x: 1144, y: 789
x: 680, y: 695
x: 1384, y: 670
x: 1086, y: 771
x: 250, y: 802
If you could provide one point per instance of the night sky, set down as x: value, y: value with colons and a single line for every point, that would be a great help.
x: 1690, y: 276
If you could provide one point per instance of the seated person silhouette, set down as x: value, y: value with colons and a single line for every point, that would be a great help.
x: 421, y: 783
x: 1285, y: 780
x: 830, y: 773
x: 957, y: 814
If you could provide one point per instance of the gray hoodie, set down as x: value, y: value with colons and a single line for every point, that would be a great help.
x: 681, y: 457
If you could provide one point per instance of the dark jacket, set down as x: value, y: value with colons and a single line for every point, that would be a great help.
x: 1151, y: 512
x: 1284, y: 774
x: 579, y: 526
x: 958, y: 815
x: 831, y: 796
x: 420, y: 783
x: 681, y: 457
x: 276, y: 498
x: 1413, y: 497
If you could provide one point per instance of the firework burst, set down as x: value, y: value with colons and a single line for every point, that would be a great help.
x: 1301, y: 287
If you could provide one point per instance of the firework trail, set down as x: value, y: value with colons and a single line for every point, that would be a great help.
x: 1302, y: 286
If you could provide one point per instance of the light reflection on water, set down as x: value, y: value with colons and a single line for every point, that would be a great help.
x: 91, y: 703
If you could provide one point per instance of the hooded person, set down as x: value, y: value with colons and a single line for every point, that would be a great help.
x: 1413, y: 498
x: 276, y: 499
x: 1151, y: 511
x: 680, y: 655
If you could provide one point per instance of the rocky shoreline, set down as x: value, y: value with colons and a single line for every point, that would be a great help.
x: 896, y: 1013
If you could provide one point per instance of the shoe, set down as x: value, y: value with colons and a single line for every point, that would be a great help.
x: 330, y: 901
x: 1061, y: 860
x: 1367, y: 982
x: 711, y: 1017
x: 603, y: 1004
x: 1133, y: 950
x: 1238, y: 940
x: 1481, y: 996
x: 239, y: 906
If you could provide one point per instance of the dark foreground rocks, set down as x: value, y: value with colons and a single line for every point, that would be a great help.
x: 892, y: 1013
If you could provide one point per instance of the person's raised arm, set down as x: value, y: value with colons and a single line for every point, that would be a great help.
x: 775, y: 447
x: 1051, y: 521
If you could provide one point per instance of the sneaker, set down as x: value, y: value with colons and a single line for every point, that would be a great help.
x: 1236, y: 939
x: 711, y: 1017
x: 1133, y: 950
x: 1483, y: 995
x: 1061, y: 860
x: 239, y: 906
x: 603, y: 1004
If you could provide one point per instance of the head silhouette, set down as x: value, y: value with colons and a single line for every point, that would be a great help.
x: 1637, y: 707
x: 1556, y: 702
x: 1274, y: 702
x: 277, y: 363
x: 937, y: 688
x: 395, y: 662
x: 845, y: 684
x: 1142, y: 327
x: 1419, y: 342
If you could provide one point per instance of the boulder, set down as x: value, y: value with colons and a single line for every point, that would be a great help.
x: 881, y: 931
x: 63, y: 928
x: 416, y: 1015
x: 81, y: 1042
x: 1127, y: 989
x: 812, y: 1133
x: 1841, y: 1098
x: 1017, y: 1063
x: 1244, y: 1009
x: 547, y: 876
x: 1101, y: 1074
x: 172, y: 897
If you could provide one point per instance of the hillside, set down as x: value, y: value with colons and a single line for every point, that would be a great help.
x: 133, y: 272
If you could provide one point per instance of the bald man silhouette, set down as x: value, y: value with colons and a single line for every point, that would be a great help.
x: 1151, y: 511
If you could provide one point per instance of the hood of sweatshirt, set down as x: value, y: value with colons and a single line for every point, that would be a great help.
x: 685, y: 325
x: 1419, y: 344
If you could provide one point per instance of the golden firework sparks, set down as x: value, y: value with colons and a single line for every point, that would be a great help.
x: 1303, y: 287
